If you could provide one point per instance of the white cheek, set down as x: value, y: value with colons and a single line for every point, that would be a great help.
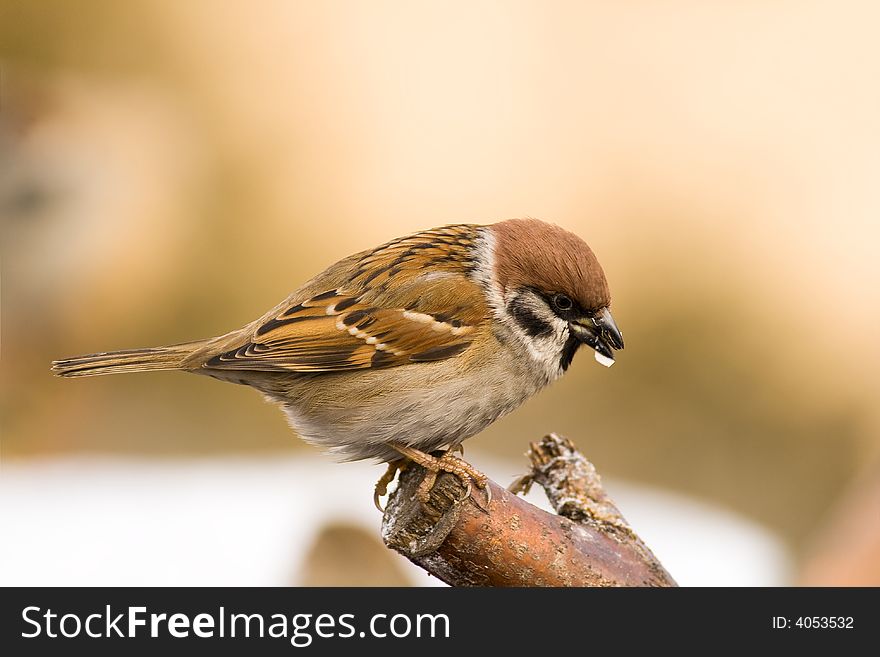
x: 545, y: 350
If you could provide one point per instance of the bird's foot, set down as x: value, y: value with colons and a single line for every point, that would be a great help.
x: 381, y: 488
x: 447, y: 462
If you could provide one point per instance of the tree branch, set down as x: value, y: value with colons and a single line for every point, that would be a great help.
x: 514, y: 543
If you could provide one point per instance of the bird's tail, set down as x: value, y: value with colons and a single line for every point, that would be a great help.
x: 130, y: 360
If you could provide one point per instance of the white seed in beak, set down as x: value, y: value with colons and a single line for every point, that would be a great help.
x: 602, y: 359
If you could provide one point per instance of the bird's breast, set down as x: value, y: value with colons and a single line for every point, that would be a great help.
x: 425, y: 405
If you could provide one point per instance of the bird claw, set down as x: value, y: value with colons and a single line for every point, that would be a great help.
x: 469, y: 493
x: 381, y: 488
x: 482, y: 506
x: 452, y: 464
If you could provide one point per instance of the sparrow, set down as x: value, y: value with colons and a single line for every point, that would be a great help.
x: 412, y: 347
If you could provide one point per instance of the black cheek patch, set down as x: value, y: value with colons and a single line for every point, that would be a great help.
x: 527, y: 320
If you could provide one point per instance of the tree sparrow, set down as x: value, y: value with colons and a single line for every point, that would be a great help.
x: 413, y: 346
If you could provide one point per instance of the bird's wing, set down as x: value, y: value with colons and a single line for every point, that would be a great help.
x: 406, y: 302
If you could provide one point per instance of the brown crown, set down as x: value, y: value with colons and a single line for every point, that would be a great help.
x: 536, y: 254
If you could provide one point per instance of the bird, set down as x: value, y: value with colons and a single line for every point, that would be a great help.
x: 402, y: 352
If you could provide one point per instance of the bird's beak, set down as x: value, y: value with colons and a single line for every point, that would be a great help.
x: 599, y: 332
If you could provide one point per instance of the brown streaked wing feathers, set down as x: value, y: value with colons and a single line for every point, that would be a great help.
x: 392, y: 312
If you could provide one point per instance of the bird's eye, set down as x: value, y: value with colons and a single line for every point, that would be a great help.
x: 562, y: 302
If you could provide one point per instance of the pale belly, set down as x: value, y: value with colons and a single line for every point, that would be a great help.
x: 356, y: 415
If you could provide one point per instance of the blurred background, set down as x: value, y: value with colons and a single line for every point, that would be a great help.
x: 170, y: 171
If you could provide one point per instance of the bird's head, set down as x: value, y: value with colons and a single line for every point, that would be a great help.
x: 551, y: 290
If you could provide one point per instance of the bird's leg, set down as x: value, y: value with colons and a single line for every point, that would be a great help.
x: 382, y: 485
x: 448, y: 462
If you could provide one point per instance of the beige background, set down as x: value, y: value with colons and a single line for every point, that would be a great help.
x: 170, y: 170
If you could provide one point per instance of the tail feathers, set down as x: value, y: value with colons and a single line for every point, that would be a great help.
x: 130, y: 360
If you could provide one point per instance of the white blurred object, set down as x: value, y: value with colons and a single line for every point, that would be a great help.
x: 237, y: 522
